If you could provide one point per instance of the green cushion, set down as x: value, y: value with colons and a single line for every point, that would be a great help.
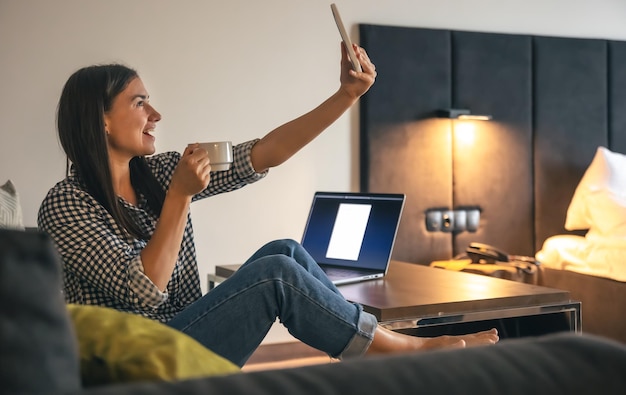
x: 120, y: 347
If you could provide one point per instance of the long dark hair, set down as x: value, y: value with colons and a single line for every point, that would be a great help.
x: 87, y: 95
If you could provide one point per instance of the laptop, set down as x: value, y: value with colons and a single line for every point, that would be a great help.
x: 351, y: 235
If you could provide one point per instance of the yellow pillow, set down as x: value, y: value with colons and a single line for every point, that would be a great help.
x: 121, y: 347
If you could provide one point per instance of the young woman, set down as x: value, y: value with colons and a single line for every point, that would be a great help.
x: 121, y: 223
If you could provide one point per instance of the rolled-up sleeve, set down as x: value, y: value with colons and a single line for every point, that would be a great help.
x: 148, y: 293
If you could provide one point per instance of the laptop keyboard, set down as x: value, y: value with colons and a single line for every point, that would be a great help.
x: 341, y: 273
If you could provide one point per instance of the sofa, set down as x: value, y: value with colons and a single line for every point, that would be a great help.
x: 47, y: 349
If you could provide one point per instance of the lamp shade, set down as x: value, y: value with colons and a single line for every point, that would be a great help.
x: 462, y: 113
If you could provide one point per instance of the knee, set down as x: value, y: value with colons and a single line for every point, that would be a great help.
x: 278, y: 266
x: 285, y: 243
x: 282, y: 246
x: 286, y: 248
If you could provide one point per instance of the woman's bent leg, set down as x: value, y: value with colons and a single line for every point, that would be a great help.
x: 233, y: 318
x: 293, y: 249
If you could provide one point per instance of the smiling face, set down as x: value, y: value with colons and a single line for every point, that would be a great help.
x: 130, y: 122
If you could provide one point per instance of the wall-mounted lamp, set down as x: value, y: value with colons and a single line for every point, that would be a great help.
x: 456, y: 220
x: 461, y: 113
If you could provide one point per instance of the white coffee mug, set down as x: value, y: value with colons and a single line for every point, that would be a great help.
x: 220, y: 154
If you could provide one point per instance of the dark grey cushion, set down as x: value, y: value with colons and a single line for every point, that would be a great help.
x: 38, y: 351
x: 555, y: 364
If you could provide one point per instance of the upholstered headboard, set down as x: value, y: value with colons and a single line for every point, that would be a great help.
x: 553, y: 101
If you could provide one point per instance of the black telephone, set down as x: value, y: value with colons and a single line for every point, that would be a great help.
x: 484, y: 253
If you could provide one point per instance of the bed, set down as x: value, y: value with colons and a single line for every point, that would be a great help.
x: 558, y: 104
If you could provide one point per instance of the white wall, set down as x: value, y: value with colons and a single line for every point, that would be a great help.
x: 233, y: 70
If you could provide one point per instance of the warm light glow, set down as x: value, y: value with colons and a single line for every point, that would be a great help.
x: 464, y: 133
x: 480, y: 287
x: 475, y: 117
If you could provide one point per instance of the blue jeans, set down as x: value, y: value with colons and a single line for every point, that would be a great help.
x: 281, y: 280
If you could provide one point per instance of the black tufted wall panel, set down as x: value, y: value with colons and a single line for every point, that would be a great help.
x: 554, y: 100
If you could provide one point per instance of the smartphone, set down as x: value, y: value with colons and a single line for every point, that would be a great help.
x: 356, y: 66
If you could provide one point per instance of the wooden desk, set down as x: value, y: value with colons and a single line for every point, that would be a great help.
x: 429, y: 301
x: 413, y: 296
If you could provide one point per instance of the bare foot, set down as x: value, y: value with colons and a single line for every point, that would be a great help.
x: 387, y: 341
x: 469, y: 340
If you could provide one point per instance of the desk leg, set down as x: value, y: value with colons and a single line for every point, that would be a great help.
x: 213, y: 280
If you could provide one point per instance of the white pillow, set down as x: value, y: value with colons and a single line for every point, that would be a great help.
x: 607, y: 211
x: 10, y: 208
x: 605, y: 175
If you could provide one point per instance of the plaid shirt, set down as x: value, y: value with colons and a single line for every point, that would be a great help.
x: 102, y: 266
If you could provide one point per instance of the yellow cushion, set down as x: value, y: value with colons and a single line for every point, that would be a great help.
x: 121, y: 347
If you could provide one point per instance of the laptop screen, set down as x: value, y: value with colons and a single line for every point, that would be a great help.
x: 353, y: 229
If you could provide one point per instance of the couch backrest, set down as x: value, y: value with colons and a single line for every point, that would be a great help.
x: 38, y: 350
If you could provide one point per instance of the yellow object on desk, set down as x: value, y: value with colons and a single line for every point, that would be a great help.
x: 515, y: 271
x: 454, y: 264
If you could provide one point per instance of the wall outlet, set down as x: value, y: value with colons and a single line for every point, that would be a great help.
x: 448, y: 221
x: 445, y: 220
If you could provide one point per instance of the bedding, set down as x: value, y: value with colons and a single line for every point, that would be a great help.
x: 599, y: 201
x: 591, y: 254
x: 598, y: 206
